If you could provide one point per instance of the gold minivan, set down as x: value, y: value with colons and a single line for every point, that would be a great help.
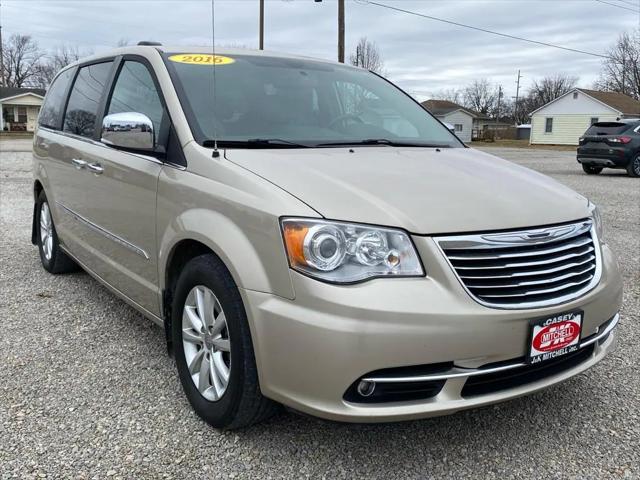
x: 308, y: 235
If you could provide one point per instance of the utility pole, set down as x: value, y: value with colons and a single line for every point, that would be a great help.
x: 261, y: 24
x: 515, y: 105
x: 498, y: 109
x: 341, y: 31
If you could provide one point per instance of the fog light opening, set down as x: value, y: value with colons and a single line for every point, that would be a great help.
x: 366, y: 388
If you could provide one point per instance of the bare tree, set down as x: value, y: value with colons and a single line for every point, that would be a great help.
x: 367, y: 55
x: 22, y: 60
x: 621, y: 71
x: 544, y: 90
x: 60, y: 58
x: 481, y: 96
x: 454, y: 95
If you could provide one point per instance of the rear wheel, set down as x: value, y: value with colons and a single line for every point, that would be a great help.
x: 213, y: 347
x: 591, y: 170
x: 53, y: 259
x: 633, y: 169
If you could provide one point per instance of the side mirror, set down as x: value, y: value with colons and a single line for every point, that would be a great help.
x: 128, y: 130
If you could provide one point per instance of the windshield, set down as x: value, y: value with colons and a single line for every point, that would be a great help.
x: 283, y: 102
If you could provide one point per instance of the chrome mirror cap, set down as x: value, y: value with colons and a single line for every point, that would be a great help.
x: 129, y: 130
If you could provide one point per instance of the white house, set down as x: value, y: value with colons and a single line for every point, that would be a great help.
x: 19, y: 108
x: 448, y: 112
x: 563, y: 120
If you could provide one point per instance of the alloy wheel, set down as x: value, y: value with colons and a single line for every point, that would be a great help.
x: 636, y: 165
x: 46, y: 231
x: 206, y: 343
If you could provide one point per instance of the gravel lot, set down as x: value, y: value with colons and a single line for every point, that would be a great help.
x: 88, y: 391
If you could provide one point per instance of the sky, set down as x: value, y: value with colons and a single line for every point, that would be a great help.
x: 422, y: 56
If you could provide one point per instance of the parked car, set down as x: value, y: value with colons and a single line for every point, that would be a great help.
x: 611, y: 145
x: 302, y: 244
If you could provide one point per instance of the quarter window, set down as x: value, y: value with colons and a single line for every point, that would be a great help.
x: 82, y: 110
x: 135, y: 91
x: 548, y: 126
x: 54, y: 101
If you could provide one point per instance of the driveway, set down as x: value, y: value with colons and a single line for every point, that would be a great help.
x: 88, y: 391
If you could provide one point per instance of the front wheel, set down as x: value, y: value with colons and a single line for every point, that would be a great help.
x: 213, y: 347
x: 591, y: 170
x: 633, y: 169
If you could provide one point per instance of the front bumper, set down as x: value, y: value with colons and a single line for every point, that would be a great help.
x: 310, y: 350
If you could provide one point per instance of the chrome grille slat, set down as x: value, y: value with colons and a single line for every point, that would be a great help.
x: 526, y: 268
x: 567, y: 266
x: 495, y: 256
x: 545, y: 281
x: 567, y: 256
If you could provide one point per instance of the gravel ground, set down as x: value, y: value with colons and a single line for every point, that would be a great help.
x: 88, y: 391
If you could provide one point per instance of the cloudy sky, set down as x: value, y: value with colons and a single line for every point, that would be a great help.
x: 422, y: 56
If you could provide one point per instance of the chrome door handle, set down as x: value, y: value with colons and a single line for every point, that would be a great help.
x: 95, y: 168
x: 78, y: 163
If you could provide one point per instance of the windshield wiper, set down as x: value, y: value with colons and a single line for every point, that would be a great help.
x: 384, y: 141
x: 255, y: 143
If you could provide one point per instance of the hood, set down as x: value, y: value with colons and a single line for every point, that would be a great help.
x: 423, y: 190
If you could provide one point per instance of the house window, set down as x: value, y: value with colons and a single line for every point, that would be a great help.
x: 22, y: 114
x: 548, y: 126
x: 457, y: 127
x: 593, y: 120
x: 575, y: 95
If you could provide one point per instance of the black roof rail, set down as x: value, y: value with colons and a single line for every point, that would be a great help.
x: 147, y: 43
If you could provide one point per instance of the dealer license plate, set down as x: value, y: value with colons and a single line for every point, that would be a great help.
x: 555, y: 336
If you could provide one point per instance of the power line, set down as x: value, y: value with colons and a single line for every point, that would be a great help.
x: 618, y: 6
x: 484, y: 30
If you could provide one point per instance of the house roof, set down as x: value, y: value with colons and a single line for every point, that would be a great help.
x: 444, y: 107
x: 620, y: 102
x: 7, y: 92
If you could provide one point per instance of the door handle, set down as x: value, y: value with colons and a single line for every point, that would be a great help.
x: 78, y: 163
x: 95, y: 168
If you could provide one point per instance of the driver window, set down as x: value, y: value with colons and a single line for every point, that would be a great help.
x: 365, y: 106
x: 135, y: 91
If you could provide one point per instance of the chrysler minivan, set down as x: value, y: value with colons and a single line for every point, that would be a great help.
x: 308, y: 235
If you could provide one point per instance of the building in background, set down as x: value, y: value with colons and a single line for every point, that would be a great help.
x: 563, y: 120
x: 448, y: 112
x: 19, y: 108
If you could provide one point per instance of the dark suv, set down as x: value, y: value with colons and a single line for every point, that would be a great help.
x: 612, y: 145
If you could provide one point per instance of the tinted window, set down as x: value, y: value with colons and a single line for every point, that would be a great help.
x: 80, y: 117
x: 607, y: 128
x: 135, y: 91
x: 54, y: 101
x: 300, y: 101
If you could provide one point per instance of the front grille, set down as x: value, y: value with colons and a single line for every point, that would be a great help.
x: 496, y: 382
x: 526, y: 268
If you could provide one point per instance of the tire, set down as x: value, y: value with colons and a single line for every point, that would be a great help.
x: 633, y: 169
x: 240, y: 402
x: 53, y: 259
x: 591, y: 170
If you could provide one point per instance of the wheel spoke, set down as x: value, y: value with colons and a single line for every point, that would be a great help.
x: 192, y: 318
x: 204, y: 379
x: 201, y: 307
x: 209, y: 303
x: 196, y: 362
x: 219, y: 384
x: 189, y: 336
x: 49, y: 245
x: 219, y: 324
x: 221, y: 368
x: 222, y: 344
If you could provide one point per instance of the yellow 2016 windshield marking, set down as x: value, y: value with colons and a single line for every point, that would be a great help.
x: 201, y: 59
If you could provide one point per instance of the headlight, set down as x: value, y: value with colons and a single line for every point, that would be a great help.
x: 597, y: 221
x: 347, y: 252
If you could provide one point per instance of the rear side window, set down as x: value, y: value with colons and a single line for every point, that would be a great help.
x: 607, y: 128
x: 135, y: 91
x: 82, y: 109
x: 51, y: 110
